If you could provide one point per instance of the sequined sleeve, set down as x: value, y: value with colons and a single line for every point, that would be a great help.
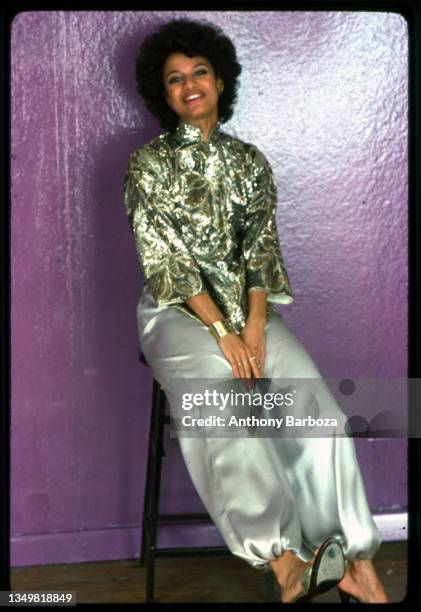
x: 265, y: 268
x: 167, y: 264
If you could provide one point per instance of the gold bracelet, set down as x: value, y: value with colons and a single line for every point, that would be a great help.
x: 221, y: 328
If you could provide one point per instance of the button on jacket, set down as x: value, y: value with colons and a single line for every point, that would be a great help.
x: 203, y: 218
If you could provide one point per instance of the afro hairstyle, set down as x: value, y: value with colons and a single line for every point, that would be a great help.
x: 191, y: 38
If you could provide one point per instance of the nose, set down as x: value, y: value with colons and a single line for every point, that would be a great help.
x: 188, y: 83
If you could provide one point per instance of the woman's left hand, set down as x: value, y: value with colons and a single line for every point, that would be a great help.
x: 253, y: 335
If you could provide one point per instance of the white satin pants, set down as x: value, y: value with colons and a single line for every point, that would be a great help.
x: 264, y: 495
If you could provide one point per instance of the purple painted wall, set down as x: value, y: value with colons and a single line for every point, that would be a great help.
x: 324, y: 95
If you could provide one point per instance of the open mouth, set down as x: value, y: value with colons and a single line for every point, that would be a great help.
x: 194, y: 100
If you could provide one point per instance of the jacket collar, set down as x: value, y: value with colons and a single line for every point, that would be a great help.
x: 187, y: 133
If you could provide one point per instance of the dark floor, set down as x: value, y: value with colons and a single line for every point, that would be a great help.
x: 186, y: 579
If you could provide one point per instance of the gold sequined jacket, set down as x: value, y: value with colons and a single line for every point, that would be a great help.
x: 203, y: 218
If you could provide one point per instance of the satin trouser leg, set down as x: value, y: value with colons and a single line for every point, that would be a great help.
x: 265, y: 495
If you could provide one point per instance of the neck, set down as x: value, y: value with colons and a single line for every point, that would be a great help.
x: 205, y: 125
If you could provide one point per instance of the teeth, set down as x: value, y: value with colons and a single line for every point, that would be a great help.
x: 193, y: 97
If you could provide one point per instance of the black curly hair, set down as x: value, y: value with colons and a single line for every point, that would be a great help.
x: 191, y: 38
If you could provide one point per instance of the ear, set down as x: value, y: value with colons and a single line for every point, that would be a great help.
x: 220, y: 85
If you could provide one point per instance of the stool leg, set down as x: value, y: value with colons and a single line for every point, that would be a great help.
x: 154, y: 474
x: 148, y: 493
x: 150, y: 476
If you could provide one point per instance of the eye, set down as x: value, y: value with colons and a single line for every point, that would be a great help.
x: 201, y: 71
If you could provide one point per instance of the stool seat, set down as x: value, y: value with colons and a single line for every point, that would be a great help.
x: 151, y: 515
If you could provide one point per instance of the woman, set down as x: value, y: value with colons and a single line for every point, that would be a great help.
x: 201, y: 204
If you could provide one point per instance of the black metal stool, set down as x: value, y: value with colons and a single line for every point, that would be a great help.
x: 151, y: 515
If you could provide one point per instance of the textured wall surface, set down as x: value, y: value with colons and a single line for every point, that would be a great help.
x: 324, y: 95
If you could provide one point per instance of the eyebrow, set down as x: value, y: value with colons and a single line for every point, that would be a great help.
x: 195, y: 66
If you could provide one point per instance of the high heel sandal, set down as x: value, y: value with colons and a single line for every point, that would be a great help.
x: 327, y: 570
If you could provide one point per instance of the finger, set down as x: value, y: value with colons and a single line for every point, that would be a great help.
x: 243, y: 376
x: 234, y: 368
x: 243, y: 364
x: 259, y: 363
x: 255, y: 368
x: 254, y: 363
x: 256, y: 371
x: 262, y: 358
x: 246, y: 364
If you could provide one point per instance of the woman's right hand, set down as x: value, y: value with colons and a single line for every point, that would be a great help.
x: 238, y: 354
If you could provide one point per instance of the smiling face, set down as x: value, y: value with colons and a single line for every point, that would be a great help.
x: 192, y: 76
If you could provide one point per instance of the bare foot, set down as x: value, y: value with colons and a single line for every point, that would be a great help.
x: 288, y: 570
x: 362, y: 581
